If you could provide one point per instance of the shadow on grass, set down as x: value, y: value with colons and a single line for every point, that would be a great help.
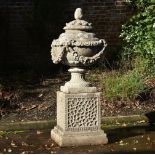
x: 151, y: 117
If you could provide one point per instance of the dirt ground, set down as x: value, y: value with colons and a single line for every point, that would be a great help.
x: 121, y: 140
x: 33, y: 97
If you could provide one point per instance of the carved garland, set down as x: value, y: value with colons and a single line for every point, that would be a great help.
x: 86, y: 60
x: 57, y: 57
x: 73, y: 43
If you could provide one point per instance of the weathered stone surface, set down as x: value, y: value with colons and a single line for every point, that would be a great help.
x: 67, y: 138
x: 78, y: 120
x: 78, y: 46
x: 78, y: 104
x: 77, y: 84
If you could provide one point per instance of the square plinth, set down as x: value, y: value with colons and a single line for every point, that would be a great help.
x: 78, y: 120
x: 66, y: 138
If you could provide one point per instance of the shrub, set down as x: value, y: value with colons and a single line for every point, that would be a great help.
x: 139, y: 32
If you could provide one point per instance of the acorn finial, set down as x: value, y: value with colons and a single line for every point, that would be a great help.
x: 78, y: 14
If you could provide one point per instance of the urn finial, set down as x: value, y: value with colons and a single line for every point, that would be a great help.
x: 78, y: 14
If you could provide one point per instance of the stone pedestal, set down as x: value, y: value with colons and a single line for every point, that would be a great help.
x: 78, y: 103
x: 78, y: 120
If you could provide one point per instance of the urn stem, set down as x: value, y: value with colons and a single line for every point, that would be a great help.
x: 77, y: 78
x: 77, y: 82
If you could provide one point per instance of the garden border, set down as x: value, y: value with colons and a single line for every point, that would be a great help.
x: 107, y: 122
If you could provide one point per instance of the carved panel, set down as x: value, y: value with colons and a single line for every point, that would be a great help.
x: 82, y: 113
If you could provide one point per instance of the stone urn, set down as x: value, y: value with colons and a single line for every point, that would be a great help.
x: 78, y: 47
x: 78, y: 103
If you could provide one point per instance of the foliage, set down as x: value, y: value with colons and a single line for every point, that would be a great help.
x: 139, y: 32
x: 10, y: 132
x: 123, y: 87
x: 137, y: 57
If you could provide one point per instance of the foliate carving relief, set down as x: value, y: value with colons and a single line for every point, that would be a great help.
x: 58, y: 51
x: 82, y: 113
x: 74, y: 43
x: 86, y: 60
x: 57, y: 54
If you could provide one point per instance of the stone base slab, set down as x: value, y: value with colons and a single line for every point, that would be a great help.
x: 67, y: 138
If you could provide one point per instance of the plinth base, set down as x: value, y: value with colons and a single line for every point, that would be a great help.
x: 68, y: 138
x: 78, y: 120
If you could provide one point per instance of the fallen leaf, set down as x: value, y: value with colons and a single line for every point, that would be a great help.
x: 13, y: 144
x: 124, y: 124
x: 89, y: 150
x: 33, y: 106
x: 39, y: 132
x: 23, y: 152
x: 4, y: 149
x: 40, y: 95
x: 24, y: 144
x: 9, y: 150
x: 117, y: 122
x: 52, y: 144
x: 121, y: 143
x: 142, y: 121
x: 148, y: 138
x: 6, y: 138
x: 136, y: 142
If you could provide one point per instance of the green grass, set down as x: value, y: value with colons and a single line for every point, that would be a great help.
x: 127, y: 86
x: 126, y: 83
x: 10, y: 132
x: 123, y: 84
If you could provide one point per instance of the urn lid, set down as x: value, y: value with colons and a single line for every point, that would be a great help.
x: 78, y: 23
x: 78, y: 33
